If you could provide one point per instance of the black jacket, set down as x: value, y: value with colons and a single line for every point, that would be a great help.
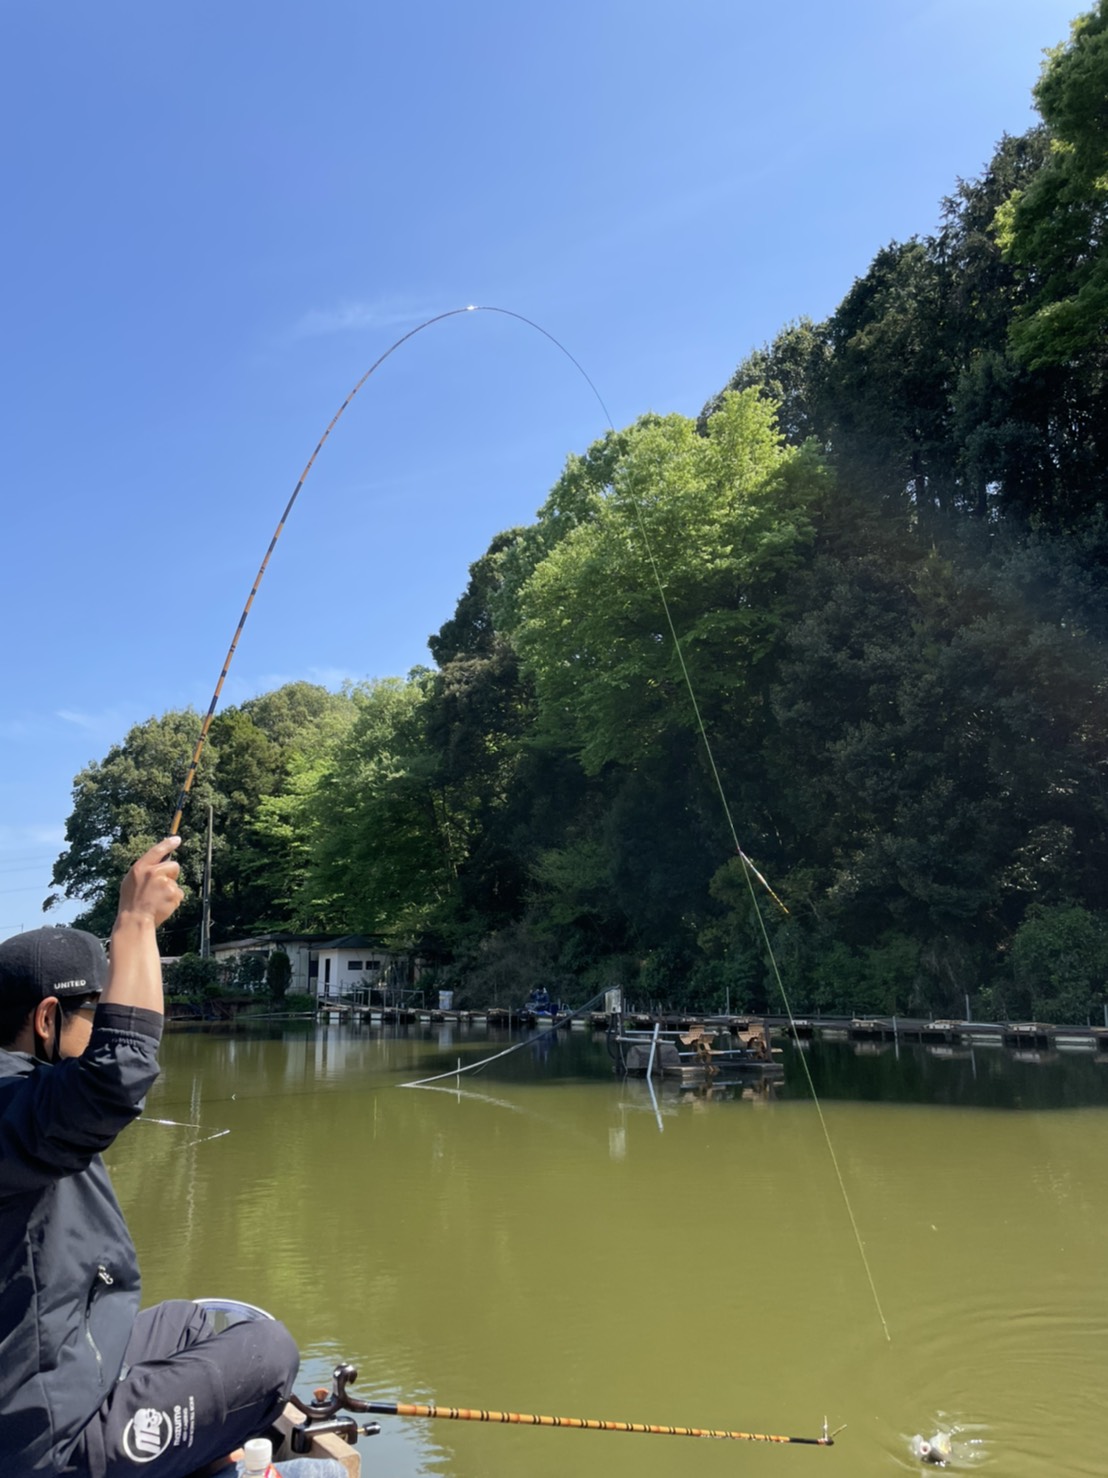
x: 69, y: 1280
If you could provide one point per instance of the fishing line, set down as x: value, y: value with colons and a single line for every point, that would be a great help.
x: 460, y: 1093
x: 472, y: 1067
x: 819, y: 1111
x: 749, y: 870
x: 178, y: 1124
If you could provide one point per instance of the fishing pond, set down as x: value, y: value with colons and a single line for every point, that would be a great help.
x: 541, y: 1236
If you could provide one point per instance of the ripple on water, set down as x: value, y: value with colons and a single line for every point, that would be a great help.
x: 1010, y: 1384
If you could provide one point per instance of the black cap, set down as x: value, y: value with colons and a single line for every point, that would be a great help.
x: 52, y: 962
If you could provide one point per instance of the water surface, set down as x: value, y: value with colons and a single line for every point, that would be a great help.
x: 539, y: 1236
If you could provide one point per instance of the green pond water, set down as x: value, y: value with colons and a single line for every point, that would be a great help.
x: 539, y: 1236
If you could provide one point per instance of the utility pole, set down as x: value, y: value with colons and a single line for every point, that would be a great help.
x: 206, y: 899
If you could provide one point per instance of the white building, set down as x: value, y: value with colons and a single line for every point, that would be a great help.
x: 355, y: 965
x: 350, y: 968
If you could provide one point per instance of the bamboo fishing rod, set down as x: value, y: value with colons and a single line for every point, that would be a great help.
x: 329, y: 1411
x: 190, y: 775
x: 585, y: 1424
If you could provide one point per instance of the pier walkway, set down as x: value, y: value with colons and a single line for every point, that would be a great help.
x: 1034, y: 1036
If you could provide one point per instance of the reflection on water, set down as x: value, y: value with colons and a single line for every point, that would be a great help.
x: 524, y: 1237
x: 980, y: 1077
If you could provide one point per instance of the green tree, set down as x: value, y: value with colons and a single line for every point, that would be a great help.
x: 479, y: 711
x: 122, y: 805
x: 1060, y: 962
x: 790, y: 373
x: 914, y: 387
x: 192, y: 976
x: 935, y: 766
x: 265, y: 747
x: 278, y: 974
x: 575, y: 499
x: 249, y: 972
x: 1057, y: 228
x: 383, y: 840
x: 717, y: 522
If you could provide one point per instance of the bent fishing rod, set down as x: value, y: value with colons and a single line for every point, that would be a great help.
x: 327, y: 1412
x: 750, y: 872
x: 190, y: 775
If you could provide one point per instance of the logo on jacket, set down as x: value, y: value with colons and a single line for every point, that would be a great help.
x: 147, y: 1435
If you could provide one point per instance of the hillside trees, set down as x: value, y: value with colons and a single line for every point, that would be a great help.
x: 963, y: 375
x: 939, y: 768
x: 123, y: 804
x: 382, y: 840
x: 680, y: 565
x: 480, y: 709
x: 715, y: 523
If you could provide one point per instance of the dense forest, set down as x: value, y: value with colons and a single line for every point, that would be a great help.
x: 850, y: 624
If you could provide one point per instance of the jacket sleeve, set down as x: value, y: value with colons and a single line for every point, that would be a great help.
x: 54, y: 1120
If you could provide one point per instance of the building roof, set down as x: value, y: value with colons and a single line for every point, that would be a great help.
x: 256, y: 941
x: 355, y: 941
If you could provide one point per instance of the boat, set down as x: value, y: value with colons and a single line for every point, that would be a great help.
x: 702, y: 1053
x: 541, y: 1009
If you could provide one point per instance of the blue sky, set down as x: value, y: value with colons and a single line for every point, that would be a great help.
x: 218, y: 215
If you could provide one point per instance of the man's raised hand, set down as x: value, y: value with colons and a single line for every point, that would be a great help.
x: 150, y: 890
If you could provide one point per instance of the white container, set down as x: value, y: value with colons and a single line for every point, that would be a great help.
x: 446, y: 1000
x: 258, y: 1453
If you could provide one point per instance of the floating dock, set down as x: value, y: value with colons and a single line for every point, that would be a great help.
x: 1027, y: 1036
x: 1024, y: 1036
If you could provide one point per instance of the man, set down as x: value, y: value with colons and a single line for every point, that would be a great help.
x: 88, y: 1385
